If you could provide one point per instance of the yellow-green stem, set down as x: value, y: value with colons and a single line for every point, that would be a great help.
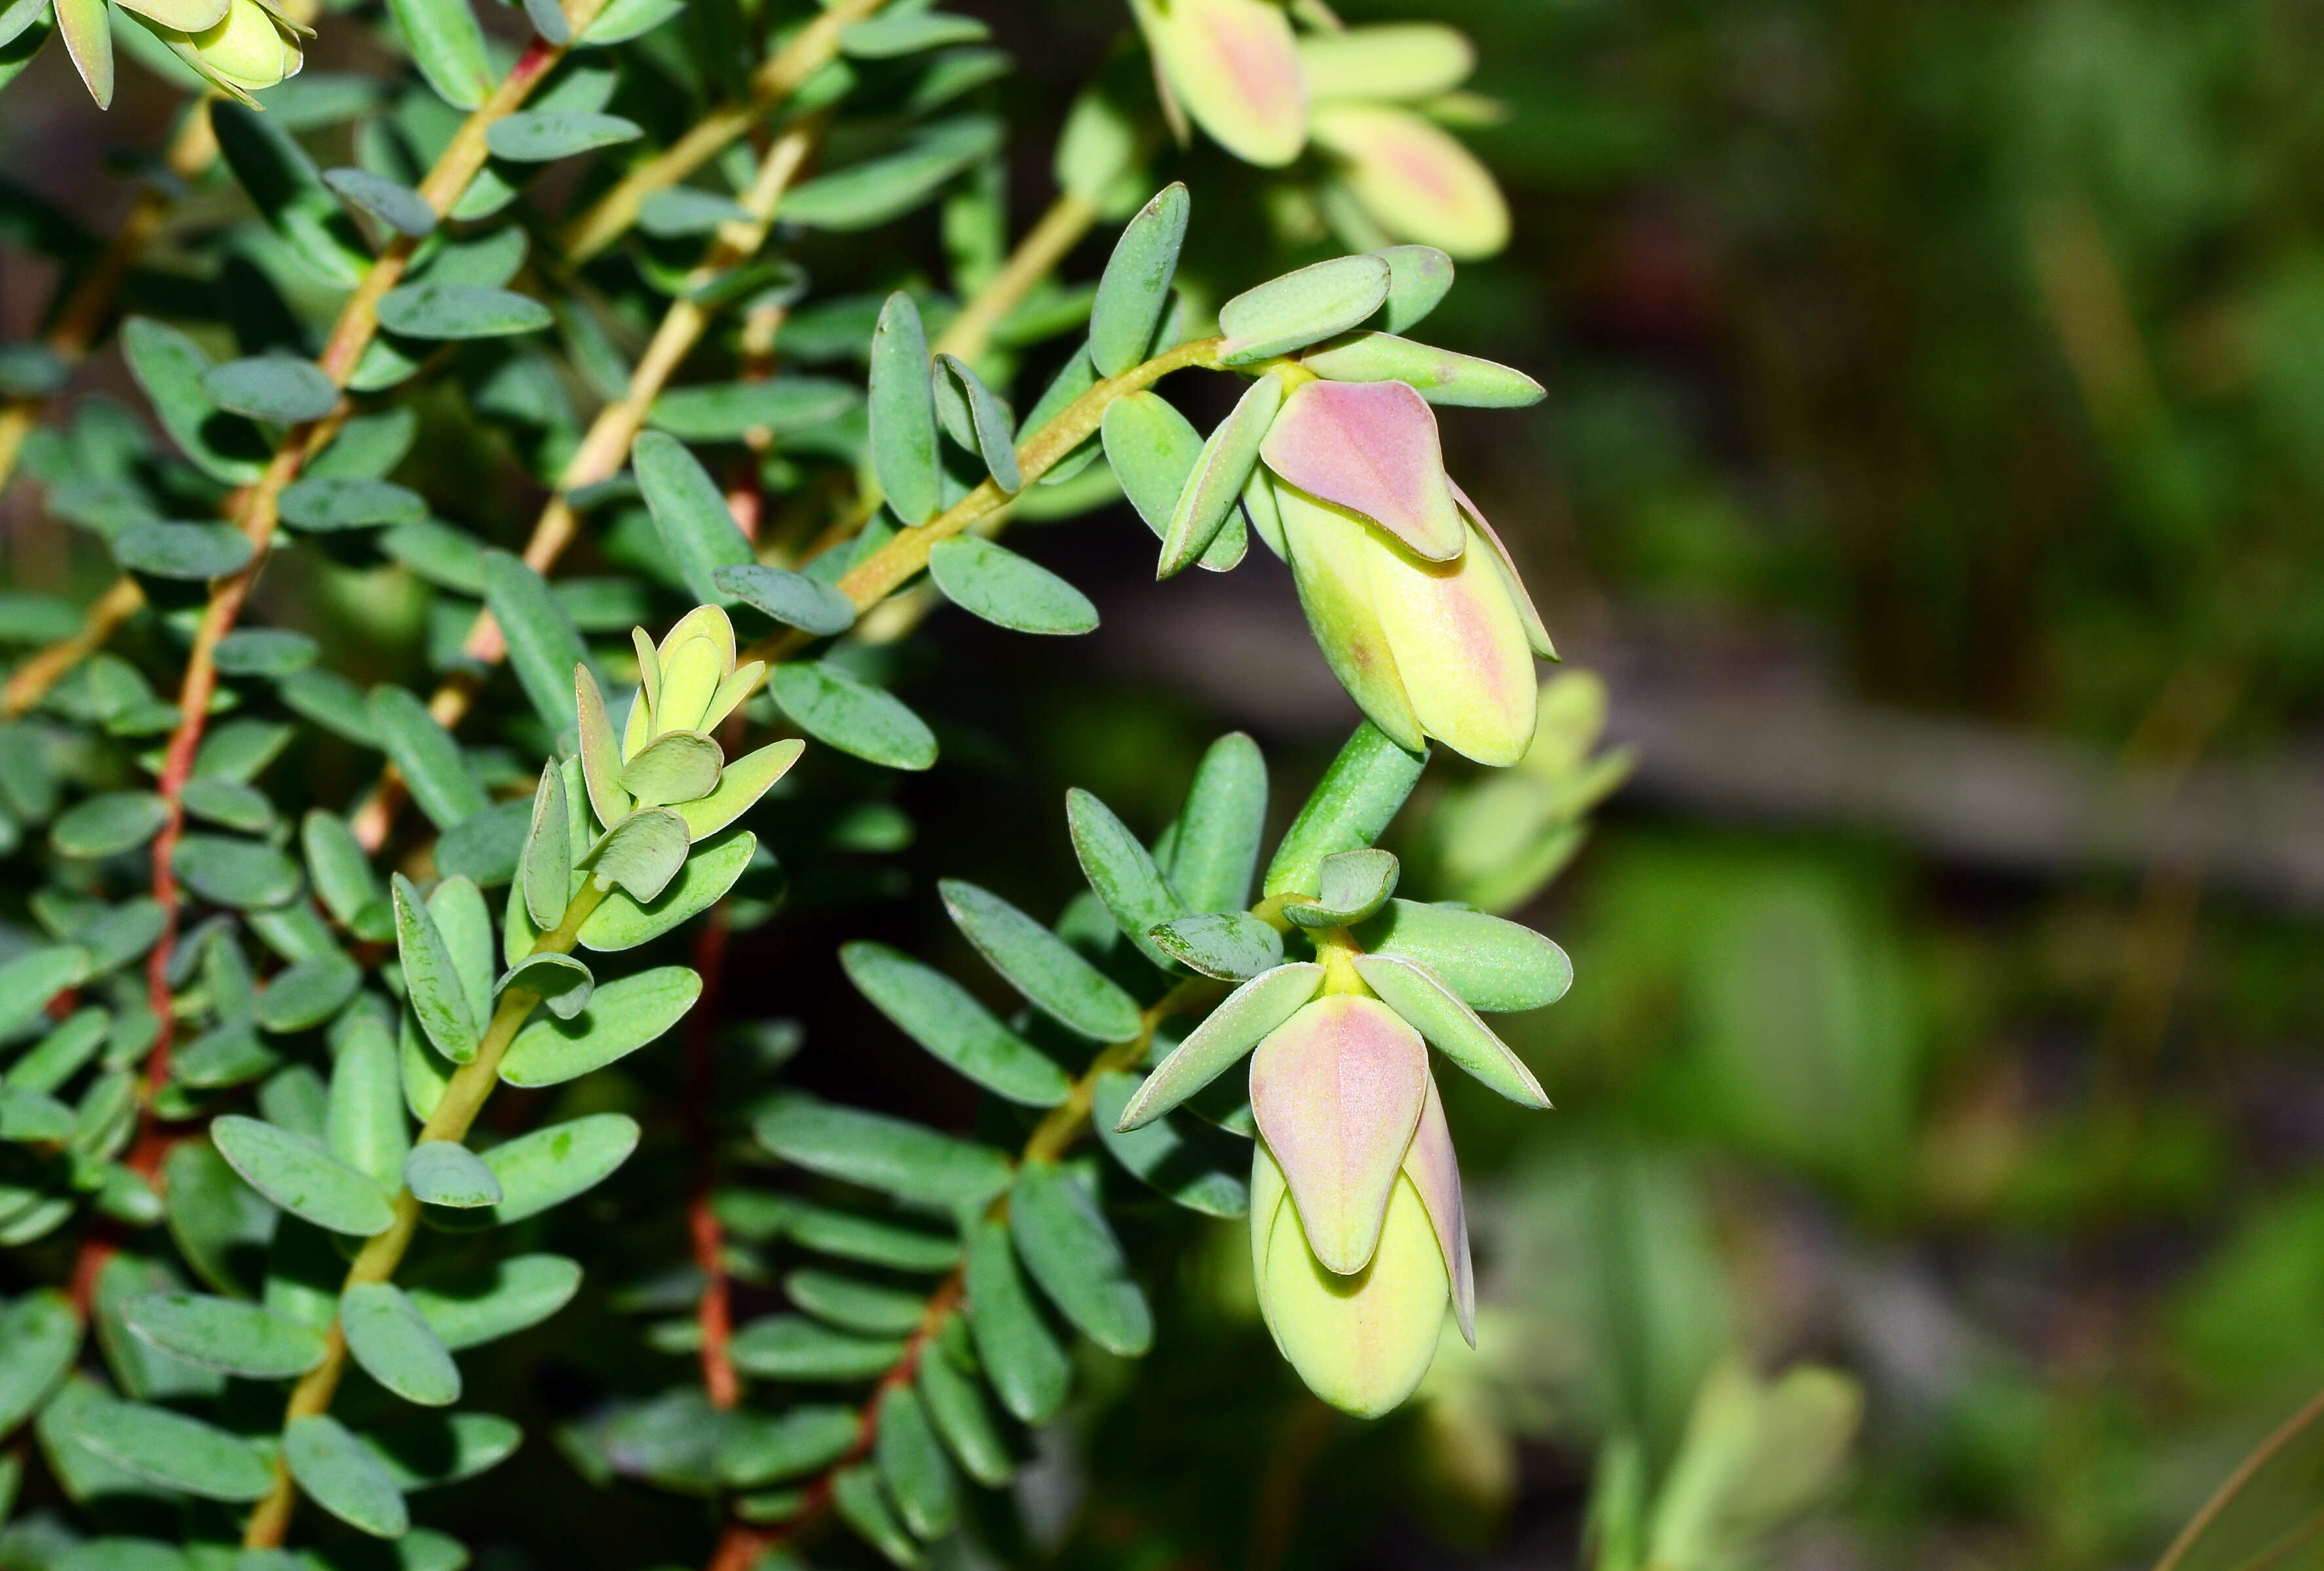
x: 1035, y: 256
x: 463, y: 1097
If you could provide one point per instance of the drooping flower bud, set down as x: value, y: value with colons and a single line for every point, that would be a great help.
x: 1234, y: 66
x: 250, y: 45
x: 1415, y: 604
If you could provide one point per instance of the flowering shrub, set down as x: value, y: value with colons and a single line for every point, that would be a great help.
x: 245, y: 1185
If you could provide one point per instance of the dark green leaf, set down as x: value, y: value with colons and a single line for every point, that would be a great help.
x: 903, y: 413
x: 861, y: 1238
x: 834, y: 706
x: 498, y: 1299
x: 1231, y: 945
x: 424, y: 1450
x: 1195, y: 1167
x: 188, y: 551
x: 108, y: 823
x: 794, y: 599
x: 622, y: 1016
x: 856, y: 1494
x: 906, y: 33
x: 265, y: 651
x: 431, y: 977
x: 956, y: 1403
x: 913, y: 1462
x: 1070, y: 1251
x: 1041, y: 965
x: 792, y: 1347
x: 393, y: 1344
x: 543, y: 644
x: 302, y: 996
x: 443, y: 1172
x: 711, y: 869
x: 177, y: 1452
x: 243, y: 874
x: 1004, y: 588
x: 28, y: 982
x: 1136, y: 287
x: 943, y: 1017
x: 1021, y: 1355
x: 447, y: 46
x: 40, y: 1335
x: 550, y: 1166
x: 689, y: 513
x: 1153, y: 449
x: 484, y: 849
x: 398, y: 207
x: 539, y: 135
x: 168, y: 367
x: 431, y: 309
x: 288, y: 193
x: 855, y: 1306
x: 233, y: 1338
x: 864, y: 195
x: 768, y: 1450
x: 1214, y: 847
x: 220, y: 1225
x: 1205, y: 521
x: 419, y: 745
x: 1122, y: 872
x: 304, y: 1179
x: 728, y: 411
x: 328, y: 502
x: 271, y: 387
x: 1351, y: 806
x: 364, y: 1122
x: 978, y: 420
x: 344, y: 1476
x: 903, y: 1158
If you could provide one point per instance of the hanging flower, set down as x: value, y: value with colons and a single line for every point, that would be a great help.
x: 1234, y: 66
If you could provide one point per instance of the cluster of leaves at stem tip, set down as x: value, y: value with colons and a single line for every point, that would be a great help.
x: 248, y: 1032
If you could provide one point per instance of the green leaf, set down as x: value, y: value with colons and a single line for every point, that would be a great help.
x: 393, y: 1343
x: 848, y: 1236
x: 430, y: 760
x: 1021, y: 1355
x: 622, y: 1016
x: 339, y: 868
x: 1206, y: 504
x: 329, y: 505
x: 457, y: 907
x: 1135, y: 289
x: 447, y: 46
x: 623, y: 20
x: 1352, y: 886
x: 955, y: 1404
x: 32, y: 1116
x: 302, y: 997
x: 242, y: 873
x: 1070, y: 1251
x: 28, y: 982
x: 220, y: 1225
x: 1153, y: 449
x: 903, y: 413
x: 689, y: 513
x: 289, y: 192
x: 793, y: 599
x: 943, y: 1017
x: 729, y: 412
x: 425, y: 1450
x: 912, y: 1460
x: 431, y: 977
x: 995, y: 582
x: 550, y: 1166
x: 364, y: 1121
x: 1122, y: 872
x: 1041, y: 965
x: 620, y: 922
x: 1351, y: 806
x: 1229, y: 1032
x: 1438, y: 375
x: 367, y: 447
x: 265, y: 651
x: 108, y: 823
x: 1193, y: 1166
x: 560, y: 981
x: 1491, y: 965
x: 168, y: 367
x: 40, y: 1336
x: 906, y: 33
x: 600, y: 751
x: 398, y: 207
x: 1215, y: 848
x: 430, y: 309
x: 543, y: 644
x: 641, y: 854
x: 879, y: 1153
x: 174, y: 1451
x: 1232, y: 945
x: 219, y: 1334
x: 341, y: 1475
x: 835, y: 706
x: 802, y: 1441
x: 1450, y: 1026
x: 1301, y: 307
x: 793, y: 1347
x: 496, y: 1300
x: 541, y: 136
x: 547, y: 873
x: 1418, y: 277
x: 865, y: 194
x: 304, y: 1179
x: 854, y: 1306
x: 857, y: 1495
x: 190, y: 552
x: 441, y: 555
x: 676, y: 766
x: 977, y: 421
x: 279, y: 388
x: 444, y: 1172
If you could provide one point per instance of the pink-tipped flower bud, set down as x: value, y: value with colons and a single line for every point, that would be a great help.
x: 1234, y: 66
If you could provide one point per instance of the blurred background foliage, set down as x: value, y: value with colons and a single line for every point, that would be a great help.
x: 1946, y: 380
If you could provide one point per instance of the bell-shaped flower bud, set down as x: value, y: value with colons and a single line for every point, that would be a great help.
x: 690, y: 682
x: 1396, y: 61
x: 250, y: 46
x: 1415, y: 603
x: 1414, y: 179
x: 1234, y: 66
x: 1363, y: 1340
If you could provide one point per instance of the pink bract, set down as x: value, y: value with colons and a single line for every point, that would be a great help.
x: 1371, y: 448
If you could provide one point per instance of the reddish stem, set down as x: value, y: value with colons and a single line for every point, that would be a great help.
x: 715, y: 1311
